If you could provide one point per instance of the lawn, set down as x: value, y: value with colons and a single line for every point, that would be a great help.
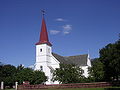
x: 86, y: 89
x: 80, y: 89
x: 112, y: 88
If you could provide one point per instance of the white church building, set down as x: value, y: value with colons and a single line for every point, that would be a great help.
x: 47, y: 61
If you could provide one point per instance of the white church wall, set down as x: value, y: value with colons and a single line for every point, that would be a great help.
x: 54, y: 62
x: 85, y: 68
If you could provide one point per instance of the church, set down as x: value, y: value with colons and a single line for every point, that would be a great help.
x: 47, y: 61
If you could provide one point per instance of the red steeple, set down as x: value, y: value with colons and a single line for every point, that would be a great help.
x: 43, y: 34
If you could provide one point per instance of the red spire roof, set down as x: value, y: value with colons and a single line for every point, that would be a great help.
x: 43, y: 34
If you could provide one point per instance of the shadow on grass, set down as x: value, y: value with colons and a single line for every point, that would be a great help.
x: 112, y: 89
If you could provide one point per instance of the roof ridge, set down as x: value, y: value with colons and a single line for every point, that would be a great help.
x: 69, y: 56
x: 75, y: 55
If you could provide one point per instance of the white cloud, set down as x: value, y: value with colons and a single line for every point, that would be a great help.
x: 60, y: 19
x: 54, y: 32
x: 66, y: 32
x: 67, y: 28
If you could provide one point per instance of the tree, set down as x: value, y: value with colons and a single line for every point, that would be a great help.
x: 96, y: 72
x: 28, y: 74
x: 7, y: 73
x: 25, y: 74
x: 68, y: 73
x: 1, y: 73
x: 110, y: 57
x: 20, y: 67
x: 38, y: 77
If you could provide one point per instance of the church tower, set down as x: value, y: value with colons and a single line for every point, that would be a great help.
x: 43, y: 52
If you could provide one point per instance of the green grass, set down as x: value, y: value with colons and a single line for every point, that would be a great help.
x: 112, y: 88
x: 69, y: 89
x: 80, y: 89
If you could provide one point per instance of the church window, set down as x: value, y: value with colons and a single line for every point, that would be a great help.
x: 40, y: 50
x: 41, y: 68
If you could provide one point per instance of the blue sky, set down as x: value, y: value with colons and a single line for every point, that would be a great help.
x: 75, y: 27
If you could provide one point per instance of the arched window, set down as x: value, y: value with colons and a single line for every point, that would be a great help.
x: 40, y: 50
x: 41, y: 68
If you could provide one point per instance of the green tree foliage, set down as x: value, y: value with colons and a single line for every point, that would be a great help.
x: 25, y: 74
x: 28, y: 74
x: 110, y: 57
x: 96, y: 72
x: 1, y: 66
x: 38, y: 77
x: 7, y: 74
x: 68, y: 73
x: 20, y: 67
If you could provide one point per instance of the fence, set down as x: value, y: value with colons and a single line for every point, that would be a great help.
x: 59, y: 86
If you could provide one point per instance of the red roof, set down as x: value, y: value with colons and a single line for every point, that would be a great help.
x: 43, y: 34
